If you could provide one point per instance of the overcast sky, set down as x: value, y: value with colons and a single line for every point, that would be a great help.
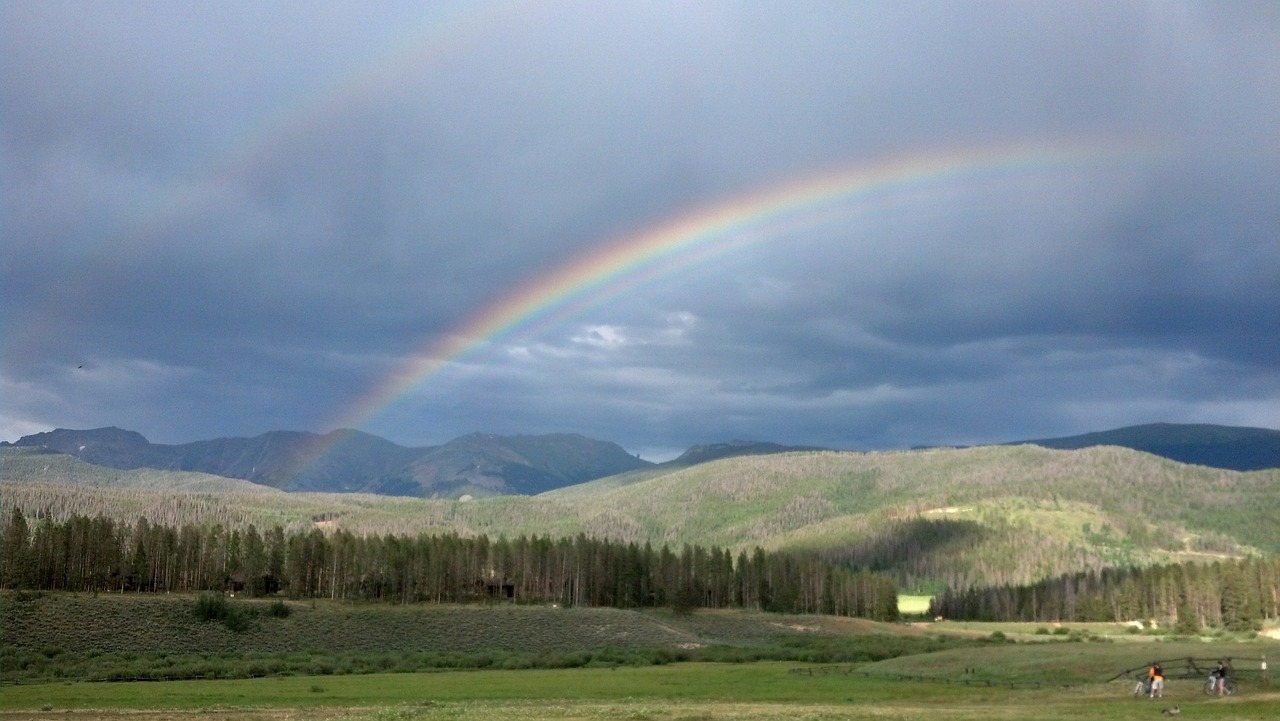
x: 225, y: 218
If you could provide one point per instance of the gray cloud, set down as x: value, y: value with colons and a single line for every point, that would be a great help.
x: 227, y: 219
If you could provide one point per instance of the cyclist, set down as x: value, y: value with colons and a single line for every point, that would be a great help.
x: 1220, y: 676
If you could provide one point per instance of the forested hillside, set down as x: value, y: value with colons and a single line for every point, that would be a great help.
x: 954, y: 517
x: 1231, y: 447
x: 99, y: 554
x: 1235, y: 595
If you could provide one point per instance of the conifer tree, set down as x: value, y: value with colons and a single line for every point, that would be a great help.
x: 15, y: 552
x: 1187, y: 624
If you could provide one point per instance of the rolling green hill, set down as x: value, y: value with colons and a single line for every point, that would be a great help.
x: 997, y: 514
x: 44, y: 466
x: 1232, y: 447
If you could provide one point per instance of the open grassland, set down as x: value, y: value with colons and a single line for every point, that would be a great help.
x: 116, y: 637
x: 760, y: 691
x: 328, y: 660
x: 1079, y: 663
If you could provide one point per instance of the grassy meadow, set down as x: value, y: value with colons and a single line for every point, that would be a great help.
x: 683, y: 691
x: 371, y: 662
x: 119, y: 637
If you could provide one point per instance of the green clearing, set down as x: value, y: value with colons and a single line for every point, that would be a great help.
x: 913, y: 605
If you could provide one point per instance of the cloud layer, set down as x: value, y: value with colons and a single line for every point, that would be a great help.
x: 232, y: 218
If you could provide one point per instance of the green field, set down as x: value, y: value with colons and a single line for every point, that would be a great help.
x: 683, y: 691
x: 373, y: 662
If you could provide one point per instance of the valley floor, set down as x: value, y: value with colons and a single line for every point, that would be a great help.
x: 746, y: 692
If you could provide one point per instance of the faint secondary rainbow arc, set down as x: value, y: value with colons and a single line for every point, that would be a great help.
x: 433, y: 37
x: 440, y: 31
x: 705, y: 233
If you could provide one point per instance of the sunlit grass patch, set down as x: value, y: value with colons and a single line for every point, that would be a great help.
x: 913, y: 605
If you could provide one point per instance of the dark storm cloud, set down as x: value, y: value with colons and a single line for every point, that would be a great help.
x: 240, y: 217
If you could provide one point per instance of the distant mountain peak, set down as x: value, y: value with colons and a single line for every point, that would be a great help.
x: 349, y: 460
x: 61, y: 436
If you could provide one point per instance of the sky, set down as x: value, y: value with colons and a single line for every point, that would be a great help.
x: 857, y: 225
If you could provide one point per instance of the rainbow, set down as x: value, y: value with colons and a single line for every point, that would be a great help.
x: 687, y: 240
x: 441, y: 31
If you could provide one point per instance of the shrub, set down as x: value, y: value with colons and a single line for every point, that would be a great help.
x: 517, y: 662
x: 215, y: 607
x: 237, y: 621
x: 278, y: 609
x: 211, y: 607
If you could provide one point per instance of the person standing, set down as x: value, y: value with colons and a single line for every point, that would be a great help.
x: 1156, y: 675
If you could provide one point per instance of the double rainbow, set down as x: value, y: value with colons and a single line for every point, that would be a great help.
x: 730, y: 226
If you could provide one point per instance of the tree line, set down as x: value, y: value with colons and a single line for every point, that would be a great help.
x: 1237, y: 595
x: 961, y: 553
x: 101, y: 554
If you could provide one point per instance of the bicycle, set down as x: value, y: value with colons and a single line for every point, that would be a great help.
x: 1143, y: 688
x: 1211, y: 688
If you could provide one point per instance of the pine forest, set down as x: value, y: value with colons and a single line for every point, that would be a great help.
x: 99, y: 554
x: 1237, y: 595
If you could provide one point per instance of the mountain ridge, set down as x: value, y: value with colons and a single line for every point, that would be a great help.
x: 961, y: 517
x: 1236, y: 448
x: 703, y: 453
x: 487, y: 464
x: 351, y: 461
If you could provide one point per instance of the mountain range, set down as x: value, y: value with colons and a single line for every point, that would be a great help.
x: 348, y: 461
x: 484, y: 464
x: 959, y: 517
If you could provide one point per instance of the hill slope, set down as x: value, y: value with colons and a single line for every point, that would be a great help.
x: 1234, y: 448
x: 716, y: 451
x: 991, y: 514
